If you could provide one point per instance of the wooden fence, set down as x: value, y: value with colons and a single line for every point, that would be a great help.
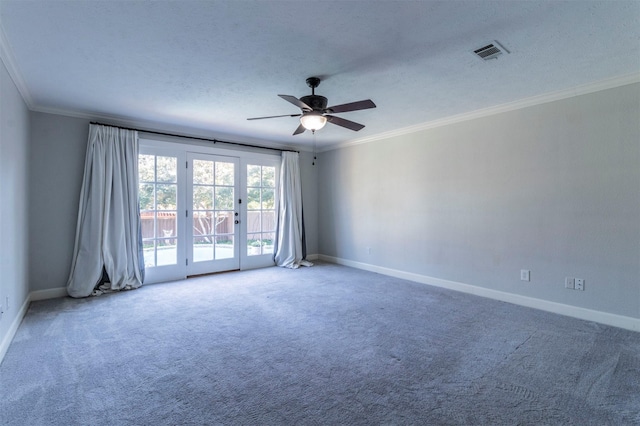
x: 204, y: 224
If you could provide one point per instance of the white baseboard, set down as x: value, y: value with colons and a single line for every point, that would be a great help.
x: 51, y: 293
x: 33, y: 296
x: 311, y: 257
x: 606, y: 318
x: 8, y: 338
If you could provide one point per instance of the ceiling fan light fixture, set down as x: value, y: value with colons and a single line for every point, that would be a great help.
x: 313, y: 121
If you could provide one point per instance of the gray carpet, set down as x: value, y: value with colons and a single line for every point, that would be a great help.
x: 321, y: 345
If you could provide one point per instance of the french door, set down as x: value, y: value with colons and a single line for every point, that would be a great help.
x: 162, y: 202
x: 213, y: 213
x: 258, y: 213
x: 205, y: 212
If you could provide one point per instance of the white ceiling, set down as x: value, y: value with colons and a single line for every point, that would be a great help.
x: 204, y: 67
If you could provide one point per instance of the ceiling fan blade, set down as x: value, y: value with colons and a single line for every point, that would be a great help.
x: 297, y: 102
x: 352, y: 106
x: 274, y: 116
x: 299, y: 130
x: 352, y: 125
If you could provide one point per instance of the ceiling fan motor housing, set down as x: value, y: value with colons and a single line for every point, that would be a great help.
x: 316, y: 102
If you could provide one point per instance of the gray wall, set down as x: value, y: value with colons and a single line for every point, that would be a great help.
x: 58, y: 147
x: 309, y: 182
x: 14, y: 143
x: 554, y: 188
x: 56, y: 167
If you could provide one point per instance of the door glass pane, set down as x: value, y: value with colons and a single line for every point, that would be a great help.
x: 267, y: 243
x: 202, y: 223
x: 261, y: 214
x: 268, y: 220
x: 224, y: 247
x: 253, y: 175
x: 202, y: 249
x: 224, y: 198
x: 224, y: 223
x: 269, y: 177
x: 147, y: 200
x: 166, y: 197
x: 253, y: 198
x: 268, y: 200
x: 166, y: 169
x: 253, y: 221
x: 147, y: 222
x: 166, y: 252
x: 213, y: 205
x: 202, y: 197
x: 202, y: 172
x: 254, y: 244
x: 146, y: 168
x: 158, y: 195
x: 225, y: 173
x: 167, y: 224
x: 149, y: 250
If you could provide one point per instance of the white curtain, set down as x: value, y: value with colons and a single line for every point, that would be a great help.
x: 290, y: 250
x: 108, y: 238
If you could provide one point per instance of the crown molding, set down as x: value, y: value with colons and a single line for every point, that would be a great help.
x: 8, y: 59
x: 511, y: 106
x: 153, y: 126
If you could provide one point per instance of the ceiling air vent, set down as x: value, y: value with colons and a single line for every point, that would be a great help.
x: 490, y: 51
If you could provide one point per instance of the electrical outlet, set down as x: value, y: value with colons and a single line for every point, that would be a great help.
x: 579, y: 284
x: 368, y: 250
x: 525, y: 275
x: 570, y: 283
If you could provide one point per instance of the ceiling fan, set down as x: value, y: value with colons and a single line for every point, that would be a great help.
x: 315, y: 113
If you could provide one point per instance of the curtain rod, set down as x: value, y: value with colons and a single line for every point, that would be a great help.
x: 215, y: 141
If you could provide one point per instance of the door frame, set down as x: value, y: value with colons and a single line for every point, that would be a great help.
x: 264, y: 260
x: 178, y: 270
x: 181, y: 151
x: 213, y: 265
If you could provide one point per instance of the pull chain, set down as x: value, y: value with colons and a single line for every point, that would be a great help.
x: 314, y: 148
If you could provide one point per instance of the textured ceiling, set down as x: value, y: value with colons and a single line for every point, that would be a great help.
x: 203, y: 67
